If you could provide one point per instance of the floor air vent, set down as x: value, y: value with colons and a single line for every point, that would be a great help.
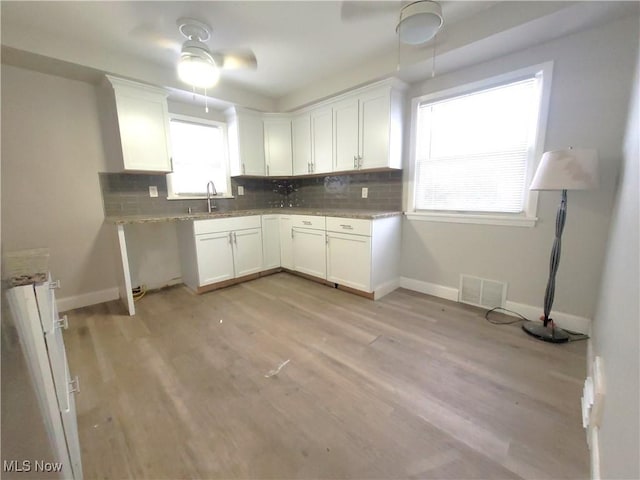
x: 482, y: 292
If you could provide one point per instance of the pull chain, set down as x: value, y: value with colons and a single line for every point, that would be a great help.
x: 399, y: 45
x: 433, y: 59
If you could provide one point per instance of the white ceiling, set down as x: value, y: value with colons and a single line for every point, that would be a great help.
x: 298, y: 44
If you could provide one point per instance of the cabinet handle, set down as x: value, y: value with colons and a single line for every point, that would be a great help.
x: 267, y: 170
x: 313, y: 167
x: 291, y: 232
x: 61, y: 323
x: 306, y: 222
x: 244, y: 170
x: 230, y: 238
x: 235, y: 238
x: 346, y: 227
x: 360, y: 161
x: 171, y: 162
x: 326, y: 239
x: 75, y: 385
x: 54, y: 285
x: 355, y: 161
x: 308, y: 167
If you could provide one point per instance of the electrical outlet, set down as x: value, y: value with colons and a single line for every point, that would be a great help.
x: 153, y: 191
x: 240, y: 190
x: 365, y: 192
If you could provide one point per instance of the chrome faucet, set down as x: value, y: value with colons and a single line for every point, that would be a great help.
x: 211, y: 191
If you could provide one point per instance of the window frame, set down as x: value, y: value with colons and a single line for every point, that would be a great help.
x: 528, y: 217
x: 225, y: 147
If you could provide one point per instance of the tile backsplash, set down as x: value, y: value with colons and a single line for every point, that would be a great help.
x: 128, y: 194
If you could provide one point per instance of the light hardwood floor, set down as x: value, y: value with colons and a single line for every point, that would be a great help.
x: 410, y: 386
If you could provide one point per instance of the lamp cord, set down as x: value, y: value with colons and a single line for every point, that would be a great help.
x: 573, y: 336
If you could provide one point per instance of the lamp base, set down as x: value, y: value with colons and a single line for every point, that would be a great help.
x: 547, y: 334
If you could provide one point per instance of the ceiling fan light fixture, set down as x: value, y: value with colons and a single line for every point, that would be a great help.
x: 197, y: 67
x: 419, y: 22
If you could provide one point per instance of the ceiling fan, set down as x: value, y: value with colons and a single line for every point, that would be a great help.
x: 200, y: 67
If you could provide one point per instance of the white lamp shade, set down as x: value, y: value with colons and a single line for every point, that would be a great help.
x: 571, y: 169
x: 419, y: 22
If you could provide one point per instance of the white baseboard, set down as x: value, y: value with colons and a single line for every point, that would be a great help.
x: 563, y: 320
x: 386, y: 288
x: 429, y: 288
x: 86, y: 299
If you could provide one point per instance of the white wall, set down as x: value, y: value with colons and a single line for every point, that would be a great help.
x: 616, y: 326
x: 589, y: 100
x: 51, y: 155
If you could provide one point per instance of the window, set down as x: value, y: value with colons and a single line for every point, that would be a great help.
x: 475, y: 149
x: 199, y: 155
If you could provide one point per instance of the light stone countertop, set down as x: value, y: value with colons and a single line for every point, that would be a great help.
x: 346, y: 213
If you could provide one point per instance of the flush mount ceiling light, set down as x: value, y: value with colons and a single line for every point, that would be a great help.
x: 196, y: 66
x: 419, y: 22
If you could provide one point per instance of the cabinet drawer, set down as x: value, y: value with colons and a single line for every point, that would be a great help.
x: 308, y: 221
x: 356, y: 226
x: 214, y: 225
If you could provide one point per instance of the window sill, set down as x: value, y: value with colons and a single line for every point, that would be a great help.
x: 478, y: 219
x: 204, y: 197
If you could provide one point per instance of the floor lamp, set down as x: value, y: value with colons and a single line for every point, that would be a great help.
x: 571, y: 169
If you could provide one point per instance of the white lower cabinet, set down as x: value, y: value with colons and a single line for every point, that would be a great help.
x: 361, y: 254
x: 286, y: 241
x: 247, y: 251
x: 364, y: 254
x: 309, y: 251
x: 40, y: 330
x: 309, y: 245
x: 349, y: 260
x: 271, y: 241
x: 217, y: 250
x: 215, y: 258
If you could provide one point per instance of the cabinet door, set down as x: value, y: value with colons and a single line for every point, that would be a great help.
x: 345, y: 127
x: 251, y: 144
x: 143, y: 122
x: 349, y: 260
x: 215, y: 257
x: 322, y: 140
x: 65, y: 386
x: 301, y: 142
x: 309, y: 252
x: 277, y: 147
x: 286, y: 243
x: 247, y: 251
x: 374, y: 129
x: 270, y: 241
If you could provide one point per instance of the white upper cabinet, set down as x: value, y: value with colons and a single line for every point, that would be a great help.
x: 322, y: 140
x: 135, y: 126
x: 368, y: 130
x: 375, y: 130
x: 246, y: 142
x: 357, y: 130
x: 345, y: 134
x: 301, y: 144
x: 277, y: 146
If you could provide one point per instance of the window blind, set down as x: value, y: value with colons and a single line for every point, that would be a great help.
x: 472, y: 150
x: 198, y: 156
